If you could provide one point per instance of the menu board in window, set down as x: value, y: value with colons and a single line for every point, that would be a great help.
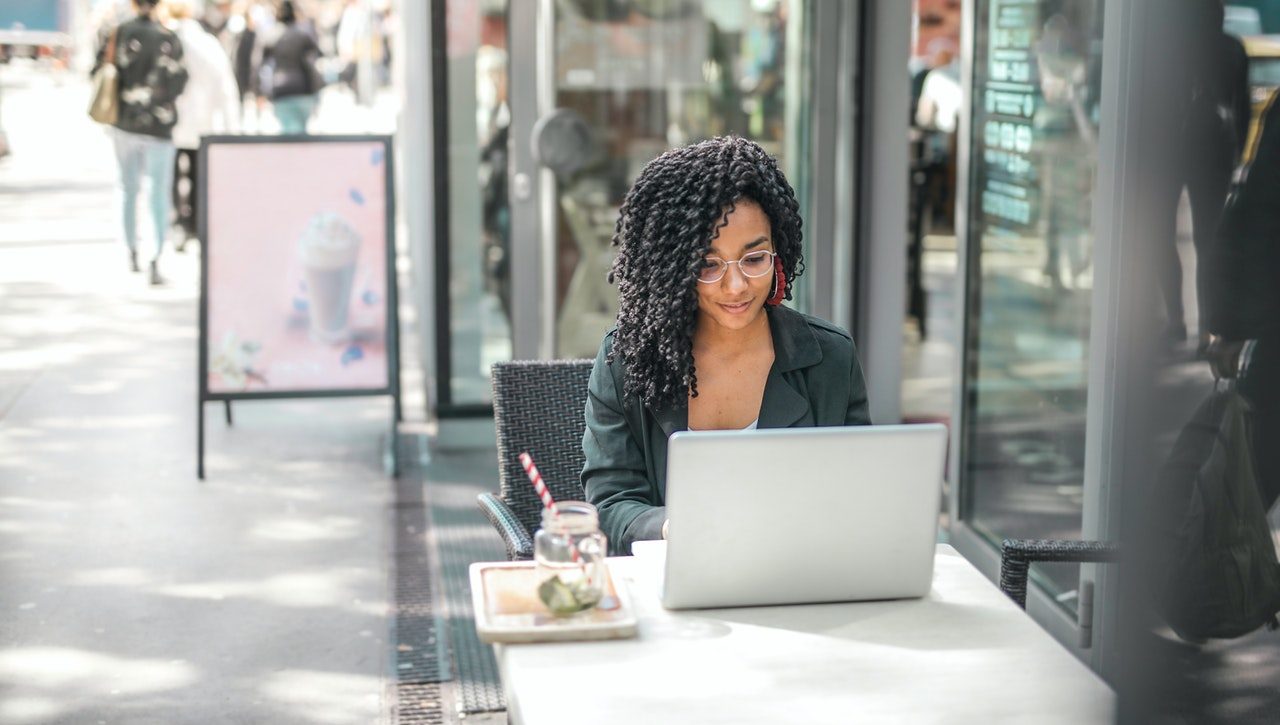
x: 1033, y: 150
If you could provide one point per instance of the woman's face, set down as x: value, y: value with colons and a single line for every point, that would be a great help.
x: 736, y: 301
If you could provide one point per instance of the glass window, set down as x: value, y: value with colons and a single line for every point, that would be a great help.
x: 479, y: 216
x: 930, y: 338
x: 642, y: 77
x: 1037, y: 77
x: 649, y: 76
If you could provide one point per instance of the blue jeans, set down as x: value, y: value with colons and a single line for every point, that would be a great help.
x: 293, y: 112
x: 141, y: 155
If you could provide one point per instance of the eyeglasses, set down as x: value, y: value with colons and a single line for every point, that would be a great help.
x: 752, y: 264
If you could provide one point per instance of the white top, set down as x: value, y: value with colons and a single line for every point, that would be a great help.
x: 750, y: 426
x: 963, y: 654
x: 210, y: 103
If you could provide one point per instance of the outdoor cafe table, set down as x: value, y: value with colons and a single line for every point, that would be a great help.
x: 963, y: 654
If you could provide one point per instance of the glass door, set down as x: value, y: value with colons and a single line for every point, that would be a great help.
x: 600, y: 88
x: 473, y: 218
x: 1037, y: 70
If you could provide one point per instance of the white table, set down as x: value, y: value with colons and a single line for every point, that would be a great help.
x: 963, y: 654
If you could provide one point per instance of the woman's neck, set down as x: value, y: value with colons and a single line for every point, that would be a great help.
x: 722, y: 341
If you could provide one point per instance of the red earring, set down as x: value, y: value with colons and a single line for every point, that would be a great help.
x: 779, y: 283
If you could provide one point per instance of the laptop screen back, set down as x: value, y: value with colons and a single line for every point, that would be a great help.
x: 802, y: 515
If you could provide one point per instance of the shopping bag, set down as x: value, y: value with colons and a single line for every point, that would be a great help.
x: 1216, y: 574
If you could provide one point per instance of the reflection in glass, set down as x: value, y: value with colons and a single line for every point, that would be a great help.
x: 930, y: 339
x: 1211, y: 531
x: 1037, y: 70
x: 648, y: 76
x: 479, y: 215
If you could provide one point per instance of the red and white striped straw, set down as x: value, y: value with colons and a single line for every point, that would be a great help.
x: 531, y: 470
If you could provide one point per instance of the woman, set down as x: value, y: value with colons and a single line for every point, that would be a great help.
x: 289, y: 73
x: 151, y: 77
x: 709, y: 245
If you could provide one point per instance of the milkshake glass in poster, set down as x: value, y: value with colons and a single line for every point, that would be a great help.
x: 296, y: 263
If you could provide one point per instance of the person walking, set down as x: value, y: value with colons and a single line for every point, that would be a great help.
x: 1246, y: 310
x: 149, y: 60
x: 209, y: 104
x: 1212, y: 126
x: 289, y: 74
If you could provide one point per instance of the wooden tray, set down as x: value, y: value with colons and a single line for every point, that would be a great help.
x: 504, y: 596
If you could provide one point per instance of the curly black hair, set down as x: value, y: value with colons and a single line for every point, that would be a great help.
x: 665, y: 227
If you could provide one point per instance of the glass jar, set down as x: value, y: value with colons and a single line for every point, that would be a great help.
x: 569, y: 551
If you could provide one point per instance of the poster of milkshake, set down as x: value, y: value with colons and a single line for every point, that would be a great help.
x: 296, y: 291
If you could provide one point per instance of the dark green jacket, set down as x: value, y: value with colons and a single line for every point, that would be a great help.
x: 816, y: 379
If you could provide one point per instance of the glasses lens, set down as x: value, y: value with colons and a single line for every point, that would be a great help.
x: 712, y: 269
x: 756, y: 264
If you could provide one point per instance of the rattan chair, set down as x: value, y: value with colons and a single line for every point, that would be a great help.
x: 537, y: 407
x: 1017, y: 555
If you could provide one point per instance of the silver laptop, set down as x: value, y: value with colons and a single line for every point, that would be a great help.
x: 802, y: 515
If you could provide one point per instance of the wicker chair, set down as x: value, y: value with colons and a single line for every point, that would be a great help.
x: 537, y: 407
x: 1017, y: 555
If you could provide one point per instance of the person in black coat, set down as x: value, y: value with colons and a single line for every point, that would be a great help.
x: 1212, y: 123
x: 245, y: 59
x: 148, y: 60
x: 289, y: 76
x: 1246, y: 312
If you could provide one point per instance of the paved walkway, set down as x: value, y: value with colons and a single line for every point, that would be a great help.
x: 130, y: 592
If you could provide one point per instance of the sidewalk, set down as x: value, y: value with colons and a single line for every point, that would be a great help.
x: 129, y: 591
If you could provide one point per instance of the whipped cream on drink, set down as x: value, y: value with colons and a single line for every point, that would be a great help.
x: 328, y: 250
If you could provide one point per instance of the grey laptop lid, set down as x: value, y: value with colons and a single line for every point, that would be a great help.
x: 802, y: 515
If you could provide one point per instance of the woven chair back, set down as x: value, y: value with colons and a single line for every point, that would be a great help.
x: 538, y: 406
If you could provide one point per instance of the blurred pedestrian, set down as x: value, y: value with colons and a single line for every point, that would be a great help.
x: 215, y: 16
x: 151, y: 77
x: 245, y: 51
x: 360, y: 49
x: 1066, y: 118
x: 1246, y: 265
x: 210, y: 104
x: 1213, y: 125
x: 289, y: 76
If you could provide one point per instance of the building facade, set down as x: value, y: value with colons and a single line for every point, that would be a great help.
x: 1007, y: 171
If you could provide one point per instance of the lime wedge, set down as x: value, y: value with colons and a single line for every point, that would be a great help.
x: 565, y: 599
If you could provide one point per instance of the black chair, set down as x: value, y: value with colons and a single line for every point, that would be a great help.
x: 1017, y: 555
x: 537, y: 407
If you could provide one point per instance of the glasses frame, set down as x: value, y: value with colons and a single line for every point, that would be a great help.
x: 724, y: 269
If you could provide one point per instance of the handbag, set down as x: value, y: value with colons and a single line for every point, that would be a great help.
x: 104, y: 104
x: 1216, y: 573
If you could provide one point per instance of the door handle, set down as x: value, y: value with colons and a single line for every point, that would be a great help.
x: 1084, y: 615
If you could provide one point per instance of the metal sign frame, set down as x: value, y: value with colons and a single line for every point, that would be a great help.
x: 391, y: 299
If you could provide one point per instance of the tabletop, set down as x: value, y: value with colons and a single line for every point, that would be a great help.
x: 964, y: 653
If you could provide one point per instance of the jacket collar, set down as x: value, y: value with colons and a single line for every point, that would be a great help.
x: 794, y: 347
